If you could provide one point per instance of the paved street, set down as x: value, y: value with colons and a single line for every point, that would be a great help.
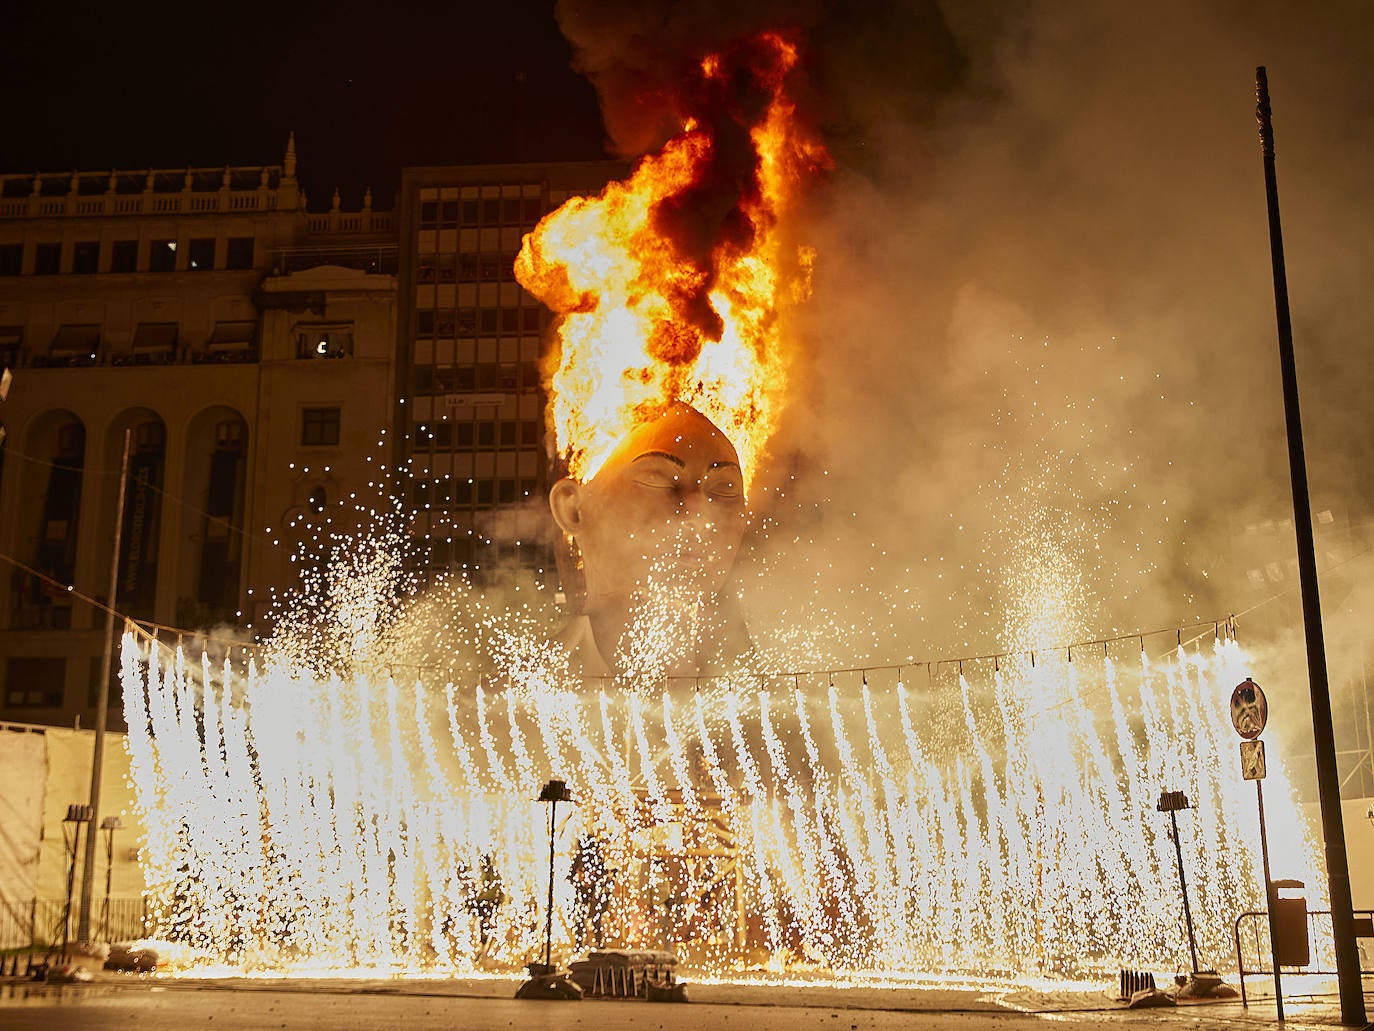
x: 479, y: 1005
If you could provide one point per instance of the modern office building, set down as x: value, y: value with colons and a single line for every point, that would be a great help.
x: 470, y: 416
x: 243, y: 344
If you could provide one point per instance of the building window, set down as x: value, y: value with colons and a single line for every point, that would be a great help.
x: 429, y: 215
x: 239, y: 255
x: 200, y: 255
x: 154, y: 341
x: 162, y: 256
x: 324, y: 340
x: 47, y: 259
x: 124, y: 256
x: 35, y: 683
x: 11, y: 340
x: 317, y: 501
x: 231, y: 340
x: 319, y: 427
x: 86, y: 258
x: 11, y: 259
x: 76, y: 341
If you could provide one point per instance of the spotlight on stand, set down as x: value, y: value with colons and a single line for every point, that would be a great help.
x: 546, y: 981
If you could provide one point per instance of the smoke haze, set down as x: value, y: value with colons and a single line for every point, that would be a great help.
x: 1038, y: 396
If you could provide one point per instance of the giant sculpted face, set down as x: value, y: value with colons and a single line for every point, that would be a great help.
x: 667, y: 507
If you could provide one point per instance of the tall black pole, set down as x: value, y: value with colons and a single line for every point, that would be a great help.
x: 102, y: 710
x: 1328, y: 780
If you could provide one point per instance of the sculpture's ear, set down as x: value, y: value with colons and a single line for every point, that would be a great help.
x: 565, y: 501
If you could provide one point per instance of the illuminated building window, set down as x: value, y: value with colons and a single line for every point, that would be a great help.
x: 47, y: 259
x: 35, y: 683
x: 319, y: 427
x: 162, y: 256
x: 124, y: 256
x: 200, y: 256
x: 324, y: 339
x: 11, y: 259
x: 239, y: 253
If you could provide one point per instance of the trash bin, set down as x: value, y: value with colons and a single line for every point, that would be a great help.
x: 1291, y: 946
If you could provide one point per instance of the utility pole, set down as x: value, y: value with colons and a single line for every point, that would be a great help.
x: 102, y: 705
x: 1324, y: 738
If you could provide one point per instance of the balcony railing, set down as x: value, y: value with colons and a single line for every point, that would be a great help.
x: 135, y: 359
x: 378, y: 260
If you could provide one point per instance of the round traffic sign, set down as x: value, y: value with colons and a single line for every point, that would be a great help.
x: 1249, y: 709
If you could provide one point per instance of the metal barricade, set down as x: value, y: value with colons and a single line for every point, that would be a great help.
x: 1294, y: 944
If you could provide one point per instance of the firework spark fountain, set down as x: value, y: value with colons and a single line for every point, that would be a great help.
x: 979, y: 825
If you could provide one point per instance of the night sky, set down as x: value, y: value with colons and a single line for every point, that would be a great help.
x: 367, y: 88
x: 370, y: 88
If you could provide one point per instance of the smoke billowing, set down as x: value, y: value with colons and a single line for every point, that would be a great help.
x: 1042, y: 398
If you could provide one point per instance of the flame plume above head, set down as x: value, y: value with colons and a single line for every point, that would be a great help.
x: 669, y: 285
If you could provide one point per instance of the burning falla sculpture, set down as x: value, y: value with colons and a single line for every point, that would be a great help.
x: 654, y: 535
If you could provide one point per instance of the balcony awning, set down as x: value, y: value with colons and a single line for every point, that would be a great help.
x: 76, y: 339
x: 232, y: 336
x: 153, y: 337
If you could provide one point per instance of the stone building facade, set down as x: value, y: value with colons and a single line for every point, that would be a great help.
x: 245, y: 345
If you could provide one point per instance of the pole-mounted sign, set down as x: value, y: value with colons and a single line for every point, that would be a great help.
x: 1250, y: 715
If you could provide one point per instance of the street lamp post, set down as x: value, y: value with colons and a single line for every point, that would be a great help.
x: 76, y: 816
x: 109, y: 825
x: 554, y: 791
x: 544, y: 981
x: 1171, y: 802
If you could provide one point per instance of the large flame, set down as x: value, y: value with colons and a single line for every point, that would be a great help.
x: 670, y: 284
